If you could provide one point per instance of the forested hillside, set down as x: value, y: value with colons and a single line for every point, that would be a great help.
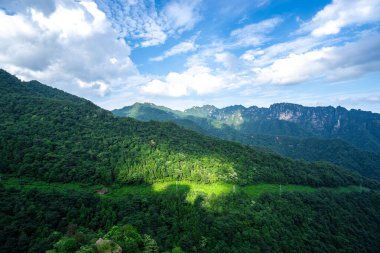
x: 51, y: 135
x: 76, y: 178
x: 264, y: 130
x: 301, y: 222
x: 359, y: 128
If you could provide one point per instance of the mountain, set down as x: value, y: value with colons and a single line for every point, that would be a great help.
x: 295, y: 131
x: 51, y: 135
x: 76, y: 178
x: 148, y: 111
x: 360, y: 128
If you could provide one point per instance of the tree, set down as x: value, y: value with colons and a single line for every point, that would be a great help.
x: 66, y: 245
x: 150, y: 245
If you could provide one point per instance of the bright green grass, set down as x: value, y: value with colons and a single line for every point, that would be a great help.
x: 191, y: 189
x: 173, y: 187
x: 257, y: 190
x: 217, y: 189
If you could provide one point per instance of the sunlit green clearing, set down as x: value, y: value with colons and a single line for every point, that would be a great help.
x: 194, y: 189
x: 191, y: 189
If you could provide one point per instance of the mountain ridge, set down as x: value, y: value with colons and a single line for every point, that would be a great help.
x: 231, y: 123
x: 51, y: 135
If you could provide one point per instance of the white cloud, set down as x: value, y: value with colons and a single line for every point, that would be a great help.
x: 252, y: 54
x: 182, y: 14
x: 294, y: 62
x: 99, y: 87
x: 71, y: 23
x: 294, y: 68
x: 196, y: 79
x: 261, y: 3
x: 21, y: 6
x: 202, y: 57
x: 267, y: 55
x: 343, y: 13
x: 228, y: 60
x: 141, y: 21
x: 181, y: 48
x: 152, y: 34
x: 254, y: 34
x: 310, y: 57
x: 72, y: 46
x: 331, y: 63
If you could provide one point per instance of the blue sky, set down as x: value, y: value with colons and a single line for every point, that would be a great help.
x: 182, y: 53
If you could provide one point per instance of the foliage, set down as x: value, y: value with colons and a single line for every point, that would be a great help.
x: 191, y: 189
x: 66, y: 244
x: 108, y: 246
x: 302, y: 222
x: 51, y: 135
x: 256, y: 128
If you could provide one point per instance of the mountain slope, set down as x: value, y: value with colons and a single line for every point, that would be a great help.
x: 48, y: 134
x: 359, y: 128
x: 230, y: 123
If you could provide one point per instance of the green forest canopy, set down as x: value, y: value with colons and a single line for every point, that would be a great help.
x: 49, y: 134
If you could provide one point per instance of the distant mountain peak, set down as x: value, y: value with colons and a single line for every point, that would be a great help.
x: 201, y: 111
x: 234, y: 107
x: 203, y: 107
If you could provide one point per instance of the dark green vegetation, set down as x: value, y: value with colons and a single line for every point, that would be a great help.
x: 64, y: 148
x: 51, y: 135
x: 34, y: 221
x: 298, y: 132
x: 192, y: 189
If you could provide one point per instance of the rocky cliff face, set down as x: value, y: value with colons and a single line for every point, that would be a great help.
x: 355, y: 126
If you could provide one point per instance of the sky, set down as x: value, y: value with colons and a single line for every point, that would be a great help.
x: 184, y: 53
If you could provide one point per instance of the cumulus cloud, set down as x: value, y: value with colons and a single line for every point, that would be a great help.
x: 72, y: 46
x: 99, y: 87
x: 301, y: 60
x: 196, y: 79
x: 89, y: 53
x: 144, y: 25
x: 181, y: 48
x: 306, y: 58
x: 342, y: 13
x: 332, y: 63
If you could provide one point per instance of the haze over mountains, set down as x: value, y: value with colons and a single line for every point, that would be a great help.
x: 347, y: 138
